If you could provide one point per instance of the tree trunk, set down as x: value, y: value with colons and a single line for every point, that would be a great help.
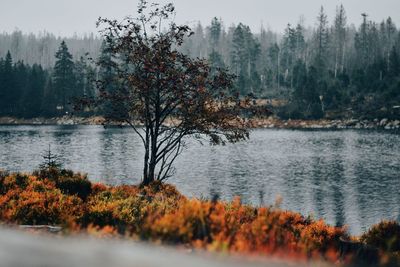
x: 343, y: 58
x: 146, y: 177
x: 336, y: 61
x: 153, y: 158
x: 279, y: 62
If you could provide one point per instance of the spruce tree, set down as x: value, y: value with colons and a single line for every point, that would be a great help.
x: 22, y: 83
x: 35, y: 91
x: 7, y: 89
x: 64, y: 77
x: 107, y: 73
x: 322, y: 41
x: 215, y: 58
x: 339, y: 37
x: 394, y: 64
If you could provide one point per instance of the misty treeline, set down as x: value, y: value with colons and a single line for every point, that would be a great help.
x: 33, y: 91
x: 332, y: 69
x: 41, y: 48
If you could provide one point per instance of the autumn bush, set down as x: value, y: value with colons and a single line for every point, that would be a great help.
x: 15, y: 180
x: 67, y: 181
x: 29, y: 200
x: 158, y: 212
x: 385, y: 236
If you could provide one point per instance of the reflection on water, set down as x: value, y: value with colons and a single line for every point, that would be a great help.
x: 345, y: 177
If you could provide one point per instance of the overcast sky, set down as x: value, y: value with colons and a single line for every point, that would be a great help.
x: 66, y: 17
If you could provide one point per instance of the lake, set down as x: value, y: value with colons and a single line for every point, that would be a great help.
x: 345, y: 177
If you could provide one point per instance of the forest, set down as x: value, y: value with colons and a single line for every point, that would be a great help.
x: 332, y: 70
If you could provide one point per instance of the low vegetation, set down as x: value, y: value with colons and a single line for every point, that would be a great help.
x: 158, y: 212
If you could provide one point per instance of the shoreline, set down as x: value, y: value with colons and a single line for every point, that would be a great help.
x: 256, y: 123
x: 274, y: 123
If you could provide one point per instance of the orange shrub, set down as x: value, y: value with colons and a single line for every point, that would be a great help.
x: 39, y: 202
x: 15, y: 180
x: 186, y: 224
x: 159, y: 212
x: 98, y: 188
x: 385, y: 236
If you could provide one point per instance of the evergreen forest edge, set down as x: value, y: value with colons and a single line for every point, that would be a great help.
x: 334, y: 70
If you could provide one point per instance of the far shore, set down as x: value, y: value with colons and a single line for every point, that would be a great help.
x: 270, y: 122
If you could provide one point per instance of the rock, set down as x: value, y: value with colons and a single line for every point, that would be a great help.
x: 351, y: 122
x: 41, y: 228
x: 316, y: 126
x: 383, y: 122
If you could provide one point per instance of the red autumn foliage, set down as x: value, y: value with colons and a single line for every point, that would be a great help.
x: 160, y: 213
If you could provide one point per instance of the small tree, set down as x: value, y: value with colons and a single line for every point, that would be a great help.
x: 170, y: 94
x: 50, y: 161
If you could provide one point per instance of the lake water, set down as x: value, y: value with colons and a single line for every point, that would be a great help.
x: 346, y: 177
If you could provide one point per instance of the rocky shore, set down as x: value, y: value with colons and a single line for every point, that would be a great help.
x: 270, y: 122
x: 325, y: 124
x: 66, y: 120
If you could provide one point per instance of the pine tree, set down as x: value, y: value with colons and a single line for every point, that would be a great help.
x: 35, y: 91
x: 7, y: 88
x: 244, y: 56
x: 80, y: 76
x: 2, y: 91
x: 49, y: 103
x: 322, y: 41
x: 300, y: 42
x: 64, y: 77
x: 361, y: 43
x: 90, y: 86
x: 200, y: 45
x: 107, y: 73
x: 274, y: 57
x: 390, y: 32
x: 215, y: 58
x: 22, y: 83
x: 394, y: 64
x: 289, y: 53
x: 85, y: 77
x: 340, y: 39
x: 215, y: 33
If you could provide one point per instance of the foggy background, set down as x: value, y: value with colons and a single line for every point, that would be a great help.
x: 64, y: 18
